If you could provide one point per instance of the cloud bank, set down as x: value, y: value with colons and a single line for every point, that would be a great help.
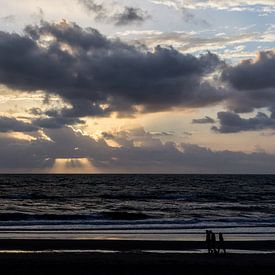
x: 98, y: 76
x: 149, y: 156
x: 233, y: 123
x: 233, y: 5
x: 10, y: 124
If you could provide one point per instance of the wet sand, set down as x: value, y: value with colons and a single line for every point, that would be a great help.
x: 125, y: 245
x: 131, y: 259
x: 135, y: 263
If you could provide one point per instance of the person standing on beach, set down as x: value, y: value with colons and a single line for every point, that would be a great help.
x: 221, y: 244
x: 213, y: 242
x: 208, y: 241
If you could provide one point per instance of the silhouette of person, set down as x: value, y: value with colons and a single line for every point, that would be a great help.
x: 208, y: 241
x: 221, y: 244
x: 213, y: 242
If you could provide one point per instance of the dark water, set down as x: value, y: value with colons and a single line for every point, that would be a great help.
x: 136, y: 201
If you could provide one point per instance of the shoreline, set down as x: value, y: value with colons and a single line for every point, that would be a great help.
x: 125, y: 245
x: 133, y: 257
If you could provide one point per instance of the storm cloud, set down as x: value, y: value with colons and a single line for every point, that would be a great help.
x: 127, y: 16
x: 130, y: 15
x: 91, y: 5
x: 253, y: 82
x: 98, y: 76
x: 252, y: 74
x: 150, y: 155
x: 56, y: 122
x: 233, y: 123
x: 10, y: 124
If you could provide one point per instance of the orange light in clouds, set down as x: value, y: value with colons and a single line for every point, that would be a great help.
x: 76, y: 165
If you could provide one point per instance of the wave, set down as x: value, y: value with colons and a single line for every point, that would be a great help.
x: 125, y: 215
x: 125, y: 220
x: 50, y: 217
x: 112, y: 215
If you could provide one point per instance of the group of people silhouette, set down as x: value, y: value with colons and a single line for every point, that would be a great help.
x: 213, y: 246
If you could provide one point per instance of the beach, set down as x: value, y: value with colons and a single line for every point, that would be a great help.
x: 136, y: 224
x: 24, y: 256
x: 136, y: 263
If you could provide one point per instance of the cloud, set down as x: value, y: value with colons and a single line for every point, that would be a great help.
x: 162, y: 134
x: 8, y: 19
x: 205, y: 120
x: 130, y: 15
x: 92, y: 5
x: 38, y: 15
x: 233, y: 123
x: 56, y: 122
x: 8, y: 124
x: 127, y: 16
x: 252, y: 74
x: 141, y: 153
x: 98, y: 9
x: 190, y: 17
x: 20, y: 155
x: 41, y: 153
x: 191, y: 42
x: 262, y: 6
x: 98, y: 76
x: 53, y: 119
x: 253, y: 81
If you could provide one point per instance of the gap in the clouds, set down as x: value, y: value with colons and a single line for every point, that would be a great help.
x: 75, y: 165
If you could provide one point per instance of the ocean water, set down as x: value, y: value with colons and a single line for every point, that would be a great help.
x: 167, y: 204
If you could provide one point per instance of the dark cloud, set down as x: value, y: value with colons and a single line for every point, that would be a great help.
x: 56, y: 122
x: 150, y: 155
x: 252, y: 75
x: 42, y: 153
x: 18, y: 155
x: 205, y: 120
x: 52, y: 119
x: 190, y: 17
x: 252, y: 87
x: 253, y: 82
x: 8, y: 124
x: 94, y: 7
x: 162, y: 134
x: 203, y: 160
x: 233, y: 123
x: 247, y: 101
x: 98, y: 76
x: 130, y: 15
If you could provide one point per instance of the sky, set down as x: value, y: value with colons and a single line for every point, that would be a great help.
x: 137, y: 86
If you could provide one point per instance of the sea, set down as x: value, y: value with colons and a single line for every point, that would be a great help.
x: 137, y: 206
